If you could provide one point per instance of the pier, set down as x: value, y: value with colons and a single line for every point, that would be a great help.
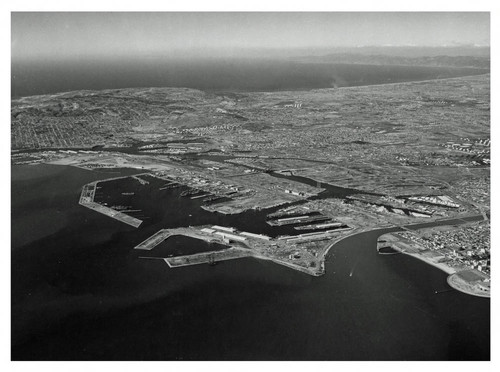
x: 200, y: 196
x: 162, y: 235
x: 87, y: 200
x: 208, y: 257
x: 239, y: 244
x: 153, y: 240
x: 296, y: 220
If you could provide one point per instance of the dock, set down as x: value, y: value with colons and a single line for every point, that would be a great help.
x: 140, y: 180
x: 200, y: 196
x: 296, y: 220
x: 87, y: 200
x: 337, y: 225
x: 153, y: 240
x: 164, y: 234
x: 122, y: 217
x: 208, y: 257
x: 233, y: 253
x: 239, y: 244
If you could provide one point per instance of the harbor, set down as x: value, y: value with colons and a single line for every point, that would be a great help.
x: 297, y: 220
x: 210, y: 258
x: 285, y: 250
x: 87, y: 200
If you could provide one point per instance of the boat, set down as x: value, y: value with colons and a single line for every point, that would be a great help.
x: 190, y: 192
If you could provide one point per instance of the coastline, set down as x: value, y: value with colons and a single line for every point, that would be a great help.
x: 461, y: 285
x: 473, y: 286
x: 258, y: 91
x: 443, y: 267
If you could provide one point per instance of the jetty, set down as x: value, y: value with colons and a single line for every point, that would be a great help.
x: 87, y: 200
x: 154, y: 240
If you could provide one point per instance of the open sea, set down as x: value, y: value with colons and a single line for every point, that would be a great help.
x: 47, y: 77
x: 80, y: 291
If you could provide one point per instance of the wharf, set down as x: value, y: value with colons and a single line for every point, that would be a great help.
x: 164, y: 234
x: 87, y: 200
x: 120, y: 216
x: 305, y: 270
x: 336, y: 225
x: 140, y: 180
x: 154, y: 240
x: 248, y: 245
x: 200, y: 196
x: 208, y: 257
x: 296, y: 220
x: 233, y: 253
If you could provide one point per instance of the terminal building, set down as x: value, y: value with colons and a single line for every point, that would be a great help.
x: 223, y: 228
x: 228, y: 237
x: 257, y: 236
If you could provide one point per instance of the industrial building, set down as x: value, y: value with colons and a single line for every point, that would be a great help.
x: 228, y: 236
x: 223, y: 228
x: 257, y: 236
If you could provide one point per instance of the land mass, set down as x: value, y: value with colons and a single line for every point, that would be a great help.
x: 326, y: 163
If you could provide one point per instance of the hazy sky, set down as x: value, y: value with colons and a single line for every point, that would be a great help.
x: 107, y: 34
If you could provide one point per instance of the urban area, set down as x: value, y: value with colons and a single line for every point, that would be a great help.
x: 324, y: 163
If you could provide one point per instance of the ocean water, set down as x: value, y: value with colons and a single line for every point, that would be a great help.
x: 80, y: 292
x: 47, y: 77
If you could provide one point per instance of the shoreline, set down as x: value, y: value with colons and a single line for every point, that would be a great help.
x: 72, y: 92
x: 443, y: 267
x: 460, y: 285
x: 454, y: 280
x: 322, y: 256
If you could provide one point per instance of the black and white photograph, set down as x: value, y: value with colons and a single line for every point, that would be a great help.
x: 238, y: 186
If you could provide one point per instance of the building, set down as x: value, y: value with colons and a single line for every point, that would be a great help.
x: 257, y: 236
x: 228, y: 237
x: 223, y: 228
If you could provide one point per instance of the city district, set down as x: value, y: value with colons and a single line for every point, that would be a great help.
x: 312, y: 166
